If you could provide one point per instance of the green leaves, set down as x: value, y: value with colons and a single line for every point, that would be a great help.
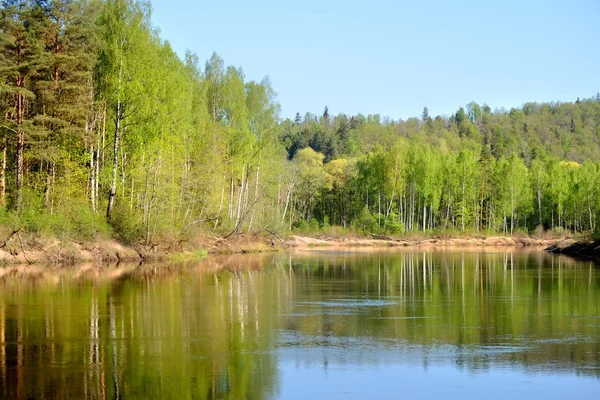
x: 97, y: 107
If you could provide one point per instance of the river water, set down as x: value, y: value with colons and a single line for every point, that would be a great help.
x: 492, y: 324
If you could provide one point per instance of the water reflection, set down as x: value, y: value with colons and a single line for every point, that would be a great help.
x: 241, y: 326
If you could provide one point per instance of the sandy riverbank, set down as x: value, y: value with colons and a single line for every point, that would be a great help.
x: 27, y: 248
x: 492, y: 241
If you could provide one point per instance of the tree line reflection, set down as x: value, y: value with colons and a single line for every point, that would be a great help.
x: 219, y: 328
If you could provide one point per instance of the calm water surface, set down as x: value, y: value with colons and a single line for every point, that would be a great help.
x: 494, y: 325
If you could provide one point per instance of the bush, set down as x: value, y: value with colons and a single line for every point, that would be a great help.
x: 313, y: 225
x: 127, y: 225
x: 84, y: 224
x: 393, y: 225
x: 301, y: 226
x: 75, y: 220
x: 366, y: 222
x: 10, y: 220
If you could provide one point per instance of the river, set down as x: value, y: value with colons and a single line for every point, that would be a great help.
x: 318, y: 324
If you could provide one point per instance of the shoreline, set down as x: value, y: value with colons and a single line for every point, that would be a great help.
x: 584, y: 249
x: 32, y: 249
x: 461, y: 242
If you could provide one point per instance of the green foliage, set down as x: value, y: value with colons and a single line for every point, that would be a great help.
x: 197, y: 255
x: 116, y: 121
x: 78, y: 223
x: 393, y: 225
x: 75, y: 220
x: 10, y: 220
x: 127, y: 225
x: 366, y: 222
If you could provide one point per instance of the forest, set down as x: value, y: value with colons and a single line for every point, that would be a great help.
x: 106, y: 132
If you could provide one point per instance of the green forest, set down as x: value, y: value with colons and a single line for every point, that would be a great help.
x: 105, y: 131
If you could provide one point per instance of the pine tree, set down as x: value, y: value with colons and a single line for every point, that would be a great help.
x: 63, y: 88
x: 425, y: 115
x: 23, y: 54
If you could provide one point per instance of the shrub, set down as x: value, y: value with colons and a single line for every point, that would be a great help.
x: 10, y: 220
x: 393, y: 225
x: 301, y: 226
x: 313, y: 225
x: 366, y: 222
x: 75, y: 220
x: 127, y: 225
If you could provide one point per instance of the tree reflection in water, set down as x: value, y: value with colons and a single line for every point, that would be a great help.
x: 219, y: 328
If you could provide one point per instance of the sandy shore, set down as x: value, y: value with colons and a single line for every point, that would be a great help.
x: 493, y: 241
x: 29, y: 249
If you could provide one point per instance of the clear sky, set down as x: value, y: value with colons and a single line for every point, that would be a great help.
x: 394, y: 57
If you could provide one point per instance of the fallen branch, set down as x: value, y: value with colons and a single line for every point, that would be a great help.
x: 224, y: 240
x: 15, y: 232
x: 380, y: 237
x: 197, y: 222
x: 241, y: 220
x: 277, y: 236
x: 23, y: 249
x: 153, y: 246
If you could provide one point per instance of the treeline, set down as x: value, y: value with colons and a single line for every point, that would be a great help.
x: 415, y: 187
x: 105, y: 130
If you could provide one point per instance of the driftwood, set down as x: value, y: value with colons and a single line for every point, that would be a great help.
x: 380, y: 237
x: 277, y: 236
x: 218, y: 239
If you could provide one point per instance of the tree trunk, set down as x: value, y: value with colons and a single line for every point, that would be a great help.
x: 463, y: 198
x: 20, y: 142
x: 92, y: 179
x: 240, y: 198
x: 255, y: 199
x: 48, y: 188
x: 379, y: 210
x: 99, y: 154
x: 539, y: 198
x: 220, y: 208
x: 287, y: 201
x: 231, y: 199
x: 117, y: 138
x: 103, y: 137
x: 3, y: 174
x: 115, y: 167
x: 20, y: 83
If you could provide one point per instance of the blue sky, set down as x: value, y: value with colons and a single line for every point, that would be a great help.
x: 395, y: 57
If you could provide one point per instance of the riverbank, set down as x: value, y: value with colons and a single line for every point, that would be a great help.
x: 578, y: 249
x: 25, y: 248
x: 489, y: 241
